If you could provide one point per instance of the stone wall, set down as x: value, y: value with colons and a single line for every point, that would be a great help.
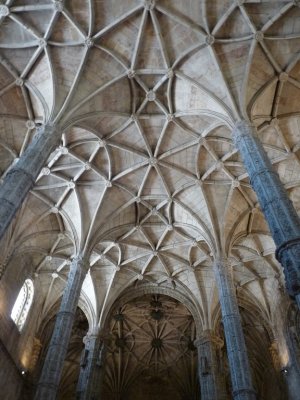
x: 11, y: 381
x: 15, y: 347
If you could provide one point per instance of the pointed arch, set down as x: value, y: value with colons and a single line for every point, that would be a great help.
x: 22, y: 304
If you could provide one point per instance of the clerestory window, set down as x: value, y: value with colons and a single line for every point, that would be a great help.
x: 22, y: 305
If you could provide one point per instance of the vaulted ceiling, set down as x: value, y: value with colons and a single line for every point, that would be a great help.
x: 151, y: 351
x: 147, y: 180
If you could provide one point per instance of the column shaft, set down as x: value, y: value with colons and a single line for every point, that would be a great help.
x: 91, y: 369
x: 21, y: 177
x: 211, y: 383
x: 278, y: 209
x: 235, y: 342
x: 53, y: 365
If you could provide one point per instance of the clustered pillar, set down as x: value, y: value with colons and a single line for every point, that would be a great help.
x: 236, y: 348
x: 210, y: 374
x: 21, y: 177
x: 91, y: 368
x: 53, y: 365
x: 278, y: 209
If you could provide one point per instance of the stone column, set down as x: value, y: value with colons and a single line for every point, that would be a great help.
x: 21, y: 177
x: 54, y: 361
x: 290, y: 367
x: 235, y: 342
x: 91, y: 369
x: 278, y: 209
x: 211, y: 380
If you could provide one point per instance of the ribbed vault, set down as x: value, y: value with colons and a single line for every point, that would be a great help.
x: 146, y: 179
x: 151, y: 350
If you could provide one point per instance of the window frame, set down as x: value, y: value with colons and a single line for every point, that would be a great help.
x: 22, y: 304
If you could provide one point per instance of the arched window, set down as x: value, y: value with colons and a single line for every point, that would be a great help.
x: 22, y: 305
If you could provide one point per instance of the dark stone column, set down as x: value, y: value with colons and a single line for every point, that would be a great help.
x: 235, y: 342
x: 209, y: 366
x: 54, y: 361
x: 21, y: 177
x: 278, y: 209
x: 91, y: 369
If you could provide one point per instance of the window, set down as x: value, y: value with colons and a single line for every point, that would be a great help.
x: 22, y: 305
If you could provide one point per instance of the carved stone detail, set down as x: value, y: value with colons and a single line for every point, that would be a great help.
x: 91, y: 371
x: 53, y: 365
x: 211, y: 382
x: 21, y: 177
x: 276, y: 206
x: 235, y: 342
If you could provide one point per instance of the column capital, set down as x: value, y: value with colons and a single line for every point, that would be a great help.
x: 47, y: 129
x: 81, y: 260
x: 243, y: 124
x: 209, y: 336
x: 243, y: 128
x: 90, y: 337
x: 222, y: 261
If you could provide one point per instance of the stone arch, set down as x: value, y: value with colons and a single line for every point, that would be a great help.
x: 150, y: 334
x: 133, y: 293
